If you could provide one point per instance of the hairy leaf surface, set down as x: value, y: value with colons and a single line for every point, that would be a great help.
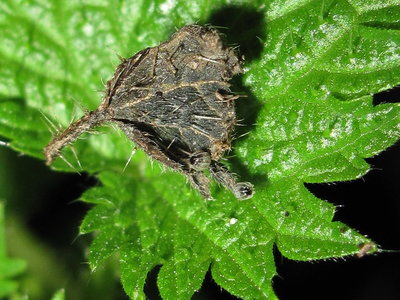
x: 311, y: 71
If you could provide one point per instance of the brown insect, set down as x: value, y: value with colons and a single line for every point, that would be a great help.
x: 174, y: 102
x: 365, y: 248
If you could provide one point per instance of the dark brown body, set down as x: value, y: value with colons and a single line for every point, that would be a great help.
x: 174, y: 102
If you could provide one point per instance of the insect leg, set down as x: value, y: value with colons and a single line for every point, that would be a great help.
x: 144, y: 141
x: 200, y: 182
x: 241, y: 190
x: 69, y: 135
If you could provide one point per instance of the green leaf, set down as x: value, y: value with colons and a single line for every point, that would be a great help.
x: 9, y: 267
x: 310, y: 98
x: 59, y: 295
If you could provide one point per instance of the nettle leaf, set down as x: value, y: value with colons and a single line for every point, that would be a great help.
x: 309, y: 89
